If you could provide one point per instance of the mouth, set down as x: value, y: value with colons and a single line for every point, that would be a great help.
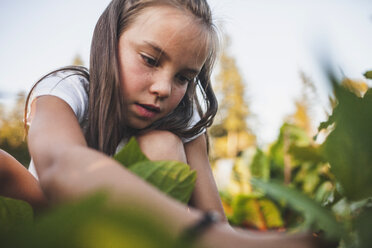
x: 150, y: 107
x: 147, y: 111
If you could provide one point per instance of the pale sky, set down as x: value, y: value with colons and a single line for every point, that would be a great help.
x: 272, y: 40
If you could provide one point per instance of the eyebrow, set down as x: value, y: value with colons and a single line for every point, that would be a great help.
x: 157, y: 49
x: 164, y: 54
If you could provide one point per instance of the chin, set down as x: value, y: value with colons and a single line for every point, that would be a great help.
x: 139, y: 124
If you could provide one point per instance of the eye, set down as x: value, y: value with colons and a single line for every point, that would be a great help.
x: 150, y: 61
x: 184, y: 79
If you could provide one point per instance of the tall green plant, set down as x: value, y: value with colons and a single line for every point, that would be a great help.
x: 348, y: 149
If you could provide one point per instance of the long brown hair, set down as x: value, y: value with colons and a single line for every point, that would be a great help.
x: 106, y: 125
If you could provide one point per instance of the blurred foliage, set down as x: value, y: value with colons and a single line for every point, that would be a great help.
x: 368, y: 74
x: 90, y: 223
x: 12, y: 134
x: 302, y: 116
x: 357, y: 87
x: 14, y: 214
x: 78, y: 61
x: 316, y: 217
x: 348, y: 147
x: 325, y: 187
x: 255, y: 211
x: 230, y: 134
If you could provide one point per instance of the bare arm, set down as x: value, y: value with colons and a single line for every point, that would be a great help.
x: 16, y: 182
x: 205, y: 195
x: 68, y: 169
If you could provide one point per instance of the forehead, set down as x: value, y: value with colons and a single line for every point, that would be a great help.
x: 172, y: 29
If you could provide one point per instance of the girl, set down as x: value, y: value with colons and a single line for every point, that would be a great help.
x: 147, y: 59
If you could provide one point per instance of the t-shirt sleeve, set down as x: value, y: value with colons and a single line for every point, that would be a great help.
x: 194, y: 119
x: 70, y: 88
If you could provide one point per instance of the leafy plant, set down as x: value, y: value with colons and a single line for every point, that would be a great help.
x: 255, y: 211
x: 348, y: 149
x: 14, y: 214
x: 172, y: 177
x: 91, y: 222
x: 316, y: 217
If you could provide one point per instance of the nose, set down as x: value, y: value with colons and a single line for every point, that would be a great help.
x: 161, y: 86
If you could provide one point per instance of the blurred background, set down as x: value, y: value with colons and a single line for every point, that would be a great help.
x: 272, y: 91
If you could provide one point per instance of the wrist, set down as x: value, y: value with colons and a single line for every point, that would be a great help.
x: 198, y: 228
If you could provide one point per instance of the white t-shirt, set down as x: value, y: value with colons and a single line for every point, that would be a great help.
x: 73, y: 89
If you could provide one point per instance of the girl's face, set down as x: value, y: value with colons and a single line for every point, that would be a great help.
x: 160, y: 53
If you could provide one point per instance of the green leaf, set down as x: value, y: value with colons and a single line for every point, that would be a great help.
x: 92, y: 223
x: 314, y: 214
x: 271, y: 213
x: 14, y: 214
x: 255, y: 211
x: 363, y: 227
x: 296, y: 137
x: 246, y: 211
x: 260, y: 166
x: 172, y: 177
x: 324, y: 192
x: 308, y: 153
x: 130, y: 154
x: 348, y: 148
x: 368, y: 74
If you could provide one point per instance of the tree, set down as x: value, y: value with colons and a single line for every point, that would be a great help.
x: 78, y: 60
x: 302, y: 115
x: 12, y: 135
x: 358, y: 86
x: 232, y: 133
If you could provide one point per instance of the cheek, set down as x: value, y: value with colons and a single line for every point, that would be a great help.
x: 132, y: 79
x: 177, y: 96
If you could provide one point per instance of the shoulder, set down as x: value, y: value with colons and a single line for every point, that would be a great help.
x: 69, y: 85
x: 61, y: 80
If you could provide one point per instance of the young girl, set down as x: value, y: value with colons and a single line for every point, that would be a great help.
x: 147, y: 59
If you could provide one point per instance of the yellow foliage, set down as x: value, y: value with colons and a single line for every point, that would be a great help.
x: 301, y: 117
x: 233, y: 111
x: 233, y: 106
x: 78, y: 60
x: 358, y: 87
x: 220, y: 147
x: 12, y: 131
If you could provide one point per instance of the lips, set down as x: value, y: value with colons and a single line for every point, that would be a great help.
x: 147, y: 110
x: 150, y: 107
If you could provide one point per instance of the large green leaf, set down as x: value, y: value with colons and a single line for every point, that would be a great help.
x: 315, y: 215
x: 130, y: 154
x: 348, y: 148
x: 91, y: 223
x: 14, y: 214
x: 172, y: 177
